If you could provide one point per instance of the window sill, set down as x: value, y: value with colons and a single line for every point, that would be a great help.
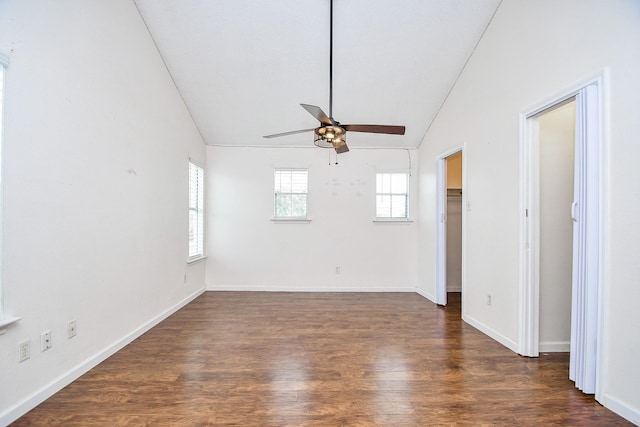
x: 4, y: 323
x: 196, y: 260
x: 392, y: 221
x: 291, y: 220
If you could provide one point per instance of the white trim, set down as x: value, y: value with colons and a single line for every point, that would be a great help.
x: 453, y: 150
x: 528, y: 296
x: 392, y: 220
x: 323, y: 289
x: 426, y: 294
x: 528, y: 313
x: 197, y: 162
x: 564, y: 95
x: 441, y: 231
x: 319, y: 289
x: 5, y: 322
x: 291, y: 220
x: 27, y: 404
x: 4, y: 61
x: 196, y: 260
x: 511, y: 345
x: 621, y: 408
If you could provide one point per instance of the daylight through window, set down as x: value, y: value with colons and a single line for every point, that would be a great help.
x: 2, y: 66
x: 290, y: 193
x: 392, y: 195
x: 196, y: 211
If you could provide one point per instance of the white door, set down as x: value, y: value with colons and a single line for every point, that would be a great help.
x: 586, y: 242
x: 585, y: 209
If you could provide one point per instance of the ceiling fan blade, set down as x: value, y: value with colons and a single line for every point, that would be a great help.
x: 318, y: 114
x: 342, y: 149
x: 293, y: 132
x: 391, y: 130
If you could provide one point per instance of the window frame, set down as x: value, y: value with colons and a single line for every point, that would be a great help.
x: 199, y: 209
x: 290, y: 218
x: 5, y: 319
x: 391, y: 194
x: 3, y: 67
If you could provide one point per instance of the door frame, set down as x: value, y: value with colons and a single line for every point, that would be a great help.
x: 529, y: 314
x: 441, y: 223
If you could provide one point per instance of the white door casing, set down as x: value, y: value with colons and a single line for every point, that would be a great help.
x: 441, y: 231
x: 587, y: 318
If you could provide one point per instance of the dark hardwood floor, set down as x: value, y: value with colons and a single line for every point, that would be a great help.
x: 320, y: 359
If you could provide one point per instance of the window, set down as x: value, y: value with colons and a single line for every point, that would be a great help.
x: 4, y: 61
x: 290, y: 194
x: 196, y: 212
x: 392, y: 195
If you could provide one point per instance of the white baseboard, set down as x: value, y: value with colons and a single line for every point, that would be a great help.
x: 425, y: 294
x: 18, y: 410
x: 554, y: 346
x: 266, y: 288
x: 621, y: 408
x: 511, y: 345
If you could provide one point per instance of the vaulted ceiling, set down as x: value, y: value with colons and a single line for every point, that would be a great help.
x: 244, y: 66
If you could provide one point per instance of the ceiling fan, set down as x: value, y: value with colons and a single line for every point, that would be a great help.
x: 331, y: 133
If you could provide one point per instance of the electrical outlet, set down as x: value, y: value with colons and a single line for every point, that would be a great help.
x: 24, y: 350
x: 72, y: 329
x: 45, y: 340
x: 338, y: 270
x: 489, y: 300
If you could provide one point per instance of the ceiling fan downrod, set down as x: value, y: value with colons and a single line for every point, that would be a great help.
x: 330, y: 133
x: 331, y: 60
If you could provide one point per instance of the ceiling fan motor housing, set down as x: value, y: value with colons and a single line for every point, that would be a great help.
x: 330, y: 136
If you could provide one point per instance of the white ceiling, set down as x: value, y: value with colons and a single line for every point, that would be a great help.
x: 244, y: 66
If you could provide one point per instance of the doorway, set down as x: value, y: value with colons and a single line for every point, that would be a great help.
x: 450, y: 236
x: 555, y: 148
x: 586, y: 232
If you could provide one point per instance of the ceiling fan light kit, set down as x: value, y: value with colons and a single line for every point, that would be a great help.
x: 330, y: 133
x: 330, y: 136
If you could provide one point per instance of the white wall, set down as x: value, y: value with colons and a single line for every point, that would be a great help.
x: 454, y: 244
x: 530, y: 52
x: 96, y: 145
x: 248, y: 251
x: 556, y: 150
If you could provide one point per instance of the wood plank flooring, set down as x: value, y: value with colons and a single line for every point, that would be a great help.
x: 320, y: 359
